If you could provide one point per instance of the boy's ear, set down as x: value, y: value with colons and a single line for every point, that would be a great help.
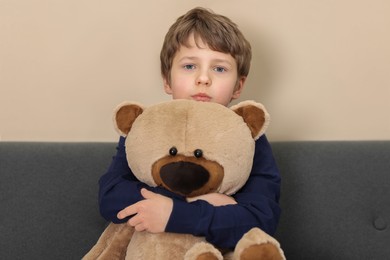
x: 125, y: 115
x: 255, y: 116
x: 167, y: 86
x: 238, y: 89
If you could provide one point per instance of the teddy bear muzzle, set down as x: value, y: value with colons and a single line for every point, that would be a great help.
x: 188, y: 176
x: 184, y: 177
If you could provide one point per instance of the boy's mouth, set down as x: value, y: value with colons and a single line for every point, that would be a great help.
x: 201, y: 97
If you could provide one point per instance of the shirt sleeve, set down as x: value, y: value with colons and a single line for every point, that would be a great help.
x: 257, y: 206
x: 119, y: 188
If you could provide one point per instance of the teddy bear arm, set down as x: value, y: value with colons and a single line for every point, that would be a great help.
x: 112, y: 244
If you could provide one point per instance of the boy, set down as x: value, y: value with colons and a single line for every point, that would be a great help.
x: 205, y: 58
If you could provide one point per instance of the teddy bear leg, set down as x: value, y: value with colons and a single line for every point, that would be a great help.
x: 112, y: 243
x: 203, y: 251
x: 256, y: 244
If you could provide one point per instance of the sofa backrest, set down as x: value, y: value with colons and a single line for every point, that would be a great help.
x: 48, y: 204
x: 335, y: 199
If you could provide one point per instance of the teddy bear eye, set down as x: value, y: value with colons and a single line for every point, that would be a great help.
x: 173, y: 151
x: 198, y: 153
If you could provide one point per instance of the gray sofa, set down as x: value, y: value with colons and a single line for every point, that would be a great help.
x: 335, y: 199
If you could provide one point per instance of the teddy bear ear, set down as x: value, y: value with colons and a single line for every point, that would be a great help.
x: 255, y: 116
x: 124, y: 116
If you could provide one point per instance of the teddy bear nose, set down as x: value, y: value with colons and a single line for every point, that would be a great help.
x: 184, y: 177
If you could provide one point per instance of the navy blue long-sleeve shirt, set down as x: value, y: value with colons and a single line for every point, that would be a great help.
x: 257, y: 202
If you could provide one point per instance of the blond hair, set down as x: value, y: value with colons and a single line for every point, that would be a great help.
x: 217, y: 31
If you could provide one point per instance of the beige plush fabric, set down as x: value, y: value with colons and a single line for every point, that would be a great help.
x: 226, y: 138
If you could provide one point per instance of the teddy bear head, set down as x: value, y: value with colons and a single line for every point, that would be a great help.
x: 189, y: 147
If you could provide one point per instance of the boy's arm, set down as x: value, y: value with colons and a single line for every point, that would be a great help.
x: 118, y: 187
x: 257, y: 206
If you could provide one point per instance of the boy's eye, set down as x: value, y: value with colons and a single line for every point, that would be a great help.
x: 189, y: 66
x: 219, y: 69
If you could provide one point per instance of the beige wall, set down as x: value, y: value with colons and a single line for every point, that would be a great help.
x: 321, y: 67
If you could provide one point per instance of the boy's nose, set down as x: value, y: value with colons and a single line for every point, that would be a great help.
x: 203, y: 79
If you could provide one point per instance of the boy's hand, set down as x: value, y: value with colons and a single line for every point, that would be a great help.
x: 152, y: 213
x: 215, y: 199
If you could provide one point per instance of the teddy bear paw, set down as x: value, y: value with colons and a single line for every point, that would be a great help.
x: 203, y: 251
x: 266, y: 251
x: 256, y: 244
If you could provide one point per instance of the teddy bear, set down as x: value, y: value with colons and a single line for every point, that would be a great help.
x: 189, y: 148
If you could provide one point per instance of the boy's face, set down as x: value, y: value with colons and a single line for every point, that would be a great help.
x: 201, y: 74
